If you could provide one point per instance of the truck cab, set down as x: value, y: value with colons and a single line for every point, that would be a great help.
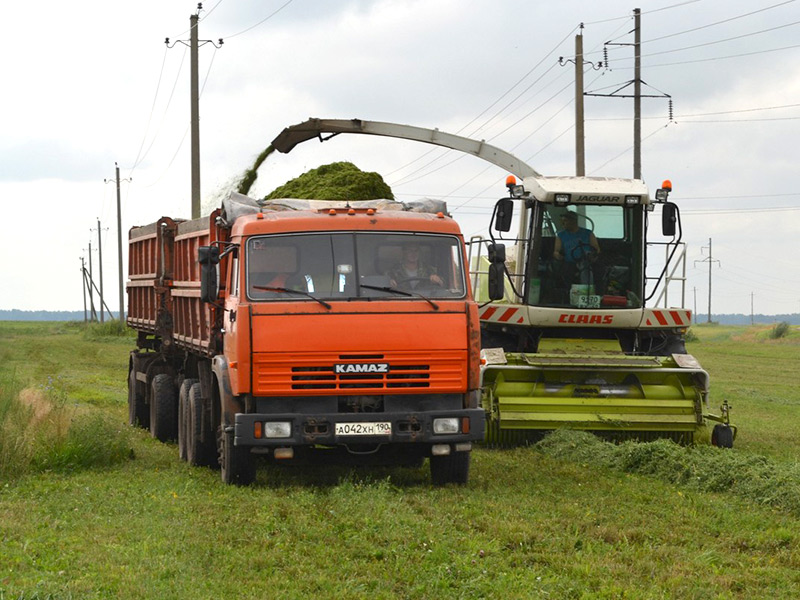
x: 348, y: 329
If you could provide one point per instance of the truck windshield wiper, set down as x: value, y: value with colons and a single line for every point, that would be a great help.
x: 288, y: 291
x: 392, y: 290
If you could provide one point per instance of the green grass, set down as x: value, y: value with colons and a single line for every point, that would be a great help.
x: 571, y: 518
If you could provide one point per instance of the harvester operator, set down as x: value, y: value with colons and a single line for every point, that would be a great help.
x: 574, y: 243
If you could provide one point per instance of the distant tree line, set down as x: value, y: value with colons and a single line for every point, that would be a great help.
x: 41, y: 315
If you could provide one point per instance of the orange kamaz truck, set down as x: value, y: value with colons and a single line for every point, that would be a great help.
x: 294, y: 330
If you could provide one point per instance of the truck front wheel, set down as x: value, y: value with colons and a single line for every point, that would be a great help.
x: 453, y: 468
x: 237, y: 465
x: 199, y: 453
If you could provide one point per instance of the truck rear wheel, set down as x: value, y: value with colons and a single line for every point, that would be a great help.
x: 138, y: 414
x: 183, y: 414
x: 198, y: 452
x: 453, y: 468
x: 237, y: 465
x: 163, y: 408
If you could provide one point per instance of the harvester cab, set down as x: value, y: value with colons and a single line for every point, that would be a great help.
x: 568, y: 338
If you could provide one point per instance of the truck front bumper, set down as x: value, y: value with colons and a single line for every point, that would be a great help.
x: 405, y: 427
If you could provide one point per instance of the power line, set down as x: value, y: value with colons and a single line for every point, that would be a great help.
x: 261, y: 22
x: 736, y: 211
x: 140, y: 158
x: 663, y: 37
x: 655, y: 10
x: 709, y: 114
x: 185, y: 133
x: 701, y: 60
x: 730, y: 39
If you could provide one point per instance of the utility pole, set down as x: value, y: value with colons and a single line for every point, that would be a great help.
x: 83, y: 285
x: 100, y: 259
x: 752, y: 321
x: 709, y: 259
x: 694, y: 289
x: 117, y: 180
x: 89, y: 284
x: 580, y: 137
x: 195, y: 115
x: 637, y: 92
x: 194, y: 100
x: 580, y: 151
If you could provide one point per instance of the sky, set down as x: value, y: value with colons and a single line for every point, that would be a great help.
x: 92, y: 83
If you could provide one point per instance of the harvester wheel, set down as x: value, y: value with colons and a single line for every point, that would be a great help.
x: 138, y: 414
x: 237, y: 465
x: 453, y: 468
x: 163, y: 408
x: 722, y: 436
x: 198, y: 452
x: 183, y: 417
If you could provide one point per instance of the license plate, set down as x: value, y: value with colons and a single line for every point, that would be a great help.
x: 363, y: 429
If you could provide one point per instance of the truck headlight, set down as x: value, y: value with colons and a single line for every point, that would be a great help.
x: 278, y: 429
x: 445, y: 425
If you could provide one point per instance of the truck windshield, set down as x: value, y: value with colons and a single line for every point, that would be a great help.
x: 586, y: 256
x: 354, y: 265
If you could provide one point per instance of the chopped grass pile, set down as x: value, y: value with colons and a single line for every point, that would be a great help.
x: 701, y: 468
x: 336, y: 181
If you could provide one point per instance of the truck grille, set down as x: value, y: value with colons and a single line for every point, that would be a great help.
x: 357, y: 374
x: 325, y: 378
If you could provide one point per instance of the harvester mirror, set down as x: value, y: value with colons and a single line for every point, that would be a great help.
x: 496, y: 287
x: 497, y: 259
x: 496, y: 252
x: 669, y: 219
x: 208, y: 257
x: 503, y: 211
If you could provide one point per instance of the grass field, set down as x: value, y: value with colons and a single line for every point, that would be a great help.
x: 572, y: 518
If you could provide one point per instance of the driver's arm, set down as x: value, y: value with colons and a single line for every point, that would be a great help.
x: 557, y: 248
x: 593, y: 243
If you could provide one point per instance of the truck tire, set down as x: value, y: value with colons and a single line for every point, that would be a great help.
x: 183, y: 413
x: 138, y: 415
x: 237, y: 465
x: 453, y: 468
x: 163, y: 408
x: 198, y: 452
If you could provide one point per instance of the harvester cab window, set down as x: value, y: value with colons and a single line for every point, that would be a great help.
x: 354, y: 265
x: 596, y: 263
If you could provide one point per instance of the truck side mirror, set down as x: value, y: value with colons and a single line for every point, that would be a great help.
x: 208, y: 257
x: 503, y: 211
x: 669, y: 219
x: 497, y: 269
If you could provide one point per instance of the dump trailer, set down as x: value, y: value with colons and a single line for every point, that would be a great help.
x: 568, y: 339
x: 570, y: 336
x: 284, y: 330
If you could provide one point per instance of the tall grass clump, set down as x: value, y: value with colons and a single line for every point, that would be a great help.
x: 39, y: 431
x: 112, y: 328
x: 780, y: 330
x: 702, y: 468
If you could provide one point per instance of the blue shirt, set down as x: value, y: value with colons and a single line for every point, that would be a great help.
x: 575, y: 245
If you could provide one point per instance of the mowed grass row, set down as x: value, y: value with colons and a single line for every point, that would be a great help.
x: 533, y: 522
